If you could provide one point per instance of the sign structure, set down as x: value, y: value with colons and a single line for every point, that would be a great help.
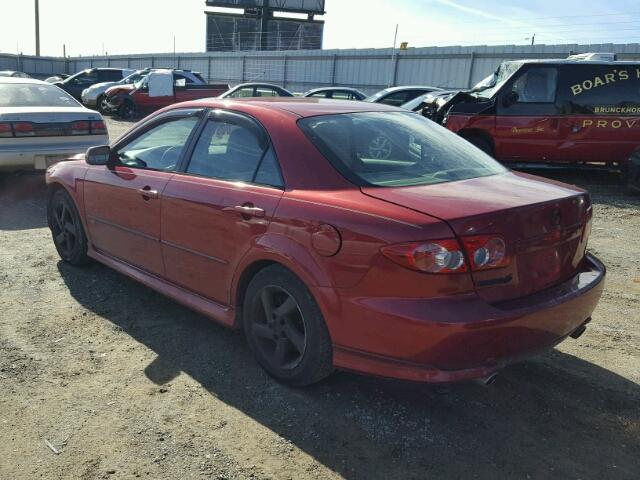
x: 265, y: 25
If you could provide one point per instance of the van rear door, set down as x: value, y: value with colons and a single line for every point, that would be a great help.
x: 528, y: 121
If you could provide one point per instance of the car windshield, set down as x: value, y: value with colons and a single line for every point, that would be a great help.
x: 489, y: 86
x: 390, y: 149
x: 34, y: 95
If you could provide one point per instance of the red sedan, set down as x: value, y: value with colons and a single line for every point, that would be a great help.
x: 336, y: 235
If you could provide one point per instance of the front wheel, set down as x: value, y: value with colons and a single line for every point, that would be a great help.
x: 285, y: 328
x: 101, y: 105
x: 66, y: 229
x: 127, y: 110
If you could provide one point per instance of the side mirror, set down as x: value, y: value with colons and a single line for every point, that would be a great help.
x: 510, y: 98
x: 98, y: 155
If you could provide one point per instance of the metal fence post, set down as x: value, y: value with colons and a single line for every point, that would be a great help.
x: 129, y: 63
x: 284, y: 72
x: 244, y: 67
x: 153, y: 61
x: 209, y: 68
x: 395, y: 69
x: 333, y: 70
x: 471, y: 64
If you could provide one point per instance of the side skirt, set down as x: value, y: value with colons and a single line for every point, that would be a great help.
x: 219, y: 313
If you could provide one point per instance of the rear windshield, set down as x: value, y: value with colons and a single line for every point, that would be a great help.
x: 34, y: 95
x: 396, y: 149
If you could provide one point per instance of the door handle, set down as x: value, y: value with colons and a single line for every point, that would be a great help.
x: 246, y: 211
x: 147, y: 193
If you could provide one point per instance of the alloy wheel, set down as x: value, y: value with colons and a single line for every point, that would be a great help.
x: 65, y: 231
x: 279, y: 329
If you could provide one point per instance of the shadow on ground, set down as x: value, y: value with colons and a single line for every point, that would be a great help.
x: 554, y: 417
x: 22, y: 201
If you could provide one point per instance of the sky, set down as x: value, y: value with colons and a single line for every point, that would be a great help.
x: 91, y: 27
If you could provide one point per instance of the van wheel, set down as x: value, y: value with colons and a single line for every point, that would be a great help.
x: 285, y: 328
x: 630, y: 173
x: 481, y: 143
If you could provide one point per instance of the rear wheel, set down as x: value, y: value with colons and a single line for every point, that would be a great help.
x: 66, y: 229
x: 285, y: 328
x: 481, y: 143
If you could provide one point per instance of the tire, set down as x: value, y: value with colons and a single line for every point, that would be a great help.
x: 66, y: 228
x: 292, y: 344
x: 99, y: 106
x: 480, y: 143
x: 630, y: 174
x: 127, y: 110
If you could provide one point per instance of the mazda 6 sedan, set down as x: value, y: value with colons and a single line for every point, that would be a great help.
x: 336, y: 235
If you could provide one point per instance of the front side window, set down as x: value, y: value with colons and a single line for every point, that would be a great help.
x: 34, y: 95
x: 537, y: 85
x: 233, y: 152
x: 391, y: 149
x: 397, y: 99
x: 159, y: 148
x: 342, y: 95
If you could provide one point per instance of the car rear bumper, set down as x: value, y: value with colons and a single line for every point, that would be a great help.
x: 39, y: 157
x: 456, y: 338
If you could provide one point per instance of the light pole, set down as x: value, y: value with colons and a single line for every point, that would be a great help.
x: 37, y: 5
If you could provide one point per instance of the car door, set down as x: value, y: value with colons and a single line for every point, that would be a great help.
x: 219, y: 204
x: 123, y: 200
x: 528, y: 118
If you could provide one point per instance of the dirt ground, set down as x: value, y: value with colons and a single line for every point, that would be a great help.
x: 124, y: 383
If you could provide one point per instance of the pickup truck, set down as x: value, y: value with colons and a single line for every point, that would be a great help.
x: 157, y: 90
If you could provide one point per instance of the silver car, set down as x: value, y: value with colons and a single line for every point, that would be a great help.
x: 40, y: 124
x: 92, y: 97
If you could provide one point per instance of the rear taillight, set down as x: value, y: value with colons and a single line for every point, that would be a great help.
x: 486, y: 252
x: 437, y: 256
x: 447, y: 256
x: 6, y: 130
x: 82, y: 127
x: 98, y: 127
x: 24, y: 129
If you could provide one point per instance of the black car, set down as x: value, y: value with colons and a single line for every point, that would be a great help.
x: 75, y: 84
x: 398, y: 96
x: 250, y: 90
x: 337, y: 93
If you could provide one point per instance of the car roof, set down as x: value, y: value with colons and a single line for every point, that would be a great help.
x: 572, y: 61
x: 299, y: 106
x: 22, y: 80
x: 327, y: 89
x: 256, y: 84
x: 411, y: 87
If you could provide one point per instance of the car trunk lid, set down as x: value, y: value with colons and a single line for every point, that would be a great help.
x: 545, y: 226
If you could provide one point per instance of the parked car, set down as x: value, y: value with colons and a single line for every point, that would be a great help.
x: 11, y: 73
x: 76, y: 84
x: 157, y: 90
x: 290, y: 220
x: 41, y: 125
x: 568, y: 112
x: 57, y: 78
x: 398, y: 96
x: 337, y: 93
x: 250, y: 90
x: 94, y: 96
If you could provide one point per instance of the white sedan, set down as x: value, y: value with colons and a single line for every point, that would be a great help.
x: 41, y: 124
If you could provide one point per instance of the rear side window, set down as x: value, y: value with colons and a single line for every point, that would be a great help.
x: 537, y: 85
x: 109, y: 75
x: 396, y: 149
x: 397, y: 99
x: 234, y: 152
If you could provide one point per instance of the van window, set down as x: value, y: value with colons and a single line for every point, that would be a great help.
x: 537, y: 85
x: 602, y: 89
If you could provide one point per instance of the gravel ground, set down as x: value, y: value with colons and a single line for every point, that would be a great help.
x: 124, y: 383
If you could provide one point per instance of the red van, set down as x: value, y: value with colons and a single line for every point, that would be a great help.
x: 558, y: 112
